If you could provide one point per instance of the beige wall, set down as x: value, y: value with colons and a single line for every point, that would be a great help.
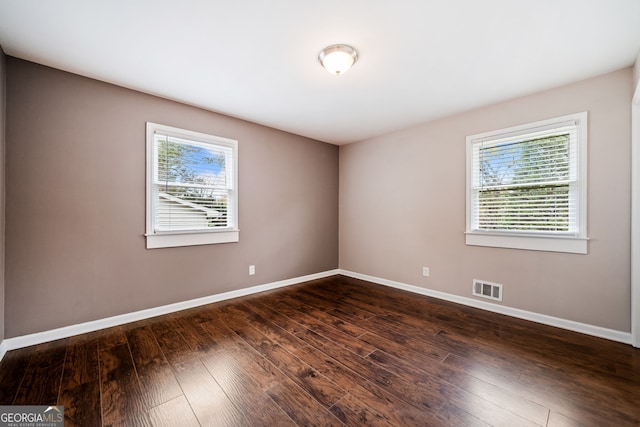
x: 636, y: 71
x: 402, y: 206
x: 75, y: 178
x: 3, y: 62
x: 76, y: 204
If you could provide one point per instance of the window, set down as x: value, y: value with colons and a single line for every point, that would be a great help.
x: 192, y: 196
x: 526, y: 186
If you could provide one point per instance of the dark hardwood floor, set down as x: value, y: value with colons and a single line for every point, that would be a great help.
x: 331, y: 352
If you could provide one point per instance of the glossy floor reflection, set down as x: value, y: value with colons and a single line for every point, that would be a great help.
x: 335, y: 351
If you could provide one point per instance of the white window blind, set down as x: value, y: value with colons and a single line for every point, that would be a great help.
x: 528, y: 181
x: 191, y: 185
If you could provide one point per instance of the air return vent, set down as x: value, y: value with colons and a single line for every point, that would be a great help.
x: 489, y: 290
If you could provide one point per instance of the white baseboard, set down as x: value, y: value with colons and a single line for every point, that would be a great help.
x: 95, y: 325
x: 3, y: 348
x: 597, y: 331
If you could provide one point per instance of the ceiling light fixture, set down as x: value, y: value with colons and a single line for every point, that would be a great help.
x: 338, y: 58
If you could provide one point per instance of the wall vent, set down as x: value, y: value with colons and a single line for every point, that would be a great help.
x: 484, y: 289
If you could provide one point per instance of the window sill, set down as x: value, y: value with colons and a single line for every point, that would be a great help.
x: 173, y: 240
x: 574, y: 245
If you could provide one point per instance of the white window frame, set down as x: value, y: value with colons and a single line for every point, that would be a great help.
x: 166, y: 239
x: 560, y: 242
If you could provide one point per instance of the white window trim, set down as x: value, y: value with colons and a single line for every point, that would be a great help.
x: 532, y: 241
x: 156, y: 239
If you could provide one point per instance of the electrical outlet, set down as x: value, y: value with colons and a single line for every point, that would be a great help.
x: 252, y: 270
x: 425, y: 271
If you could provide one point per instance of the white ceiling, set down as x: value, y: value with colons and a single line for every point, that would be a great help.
x: 257, y: 59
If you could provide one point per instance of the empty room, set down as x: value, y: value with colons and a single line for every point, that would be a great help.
x: 330, y: 213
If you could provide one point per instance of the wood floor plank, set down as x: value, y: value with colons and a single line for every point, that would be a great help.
x: 266, y: 310
x: 425, y: 399
x: 409, y: 305
x: 314, y: 383
x: 12, y: 371
x: 81, y: 363
x: 352, y: 412
x: 121, y: 397
x: 238, y: 316
x: 112, y: 337
x: 580, y: 402
x: 499, y: 400
x: 483, y: 409
x: 302, y: 408
x: 283, y: 387
x: 235, y: 378
x: 41, y: 382
x: 197, y: 339
x: 156, y: 377
x: 175, y: 412
x: 451, y: 415
x: 559, y: 420
x: 222, y: 333
x: 209, y: 402
x: 554, y: 353
x: 486, y: 358
x: 388, y: 332
x: 81, y: 404
x: 396, y: 411
x: 553, y: 395
x: 333, y: 351
x: 168, y: 338
x: 314, y: 306
x: 352, y: 314
x: 299, y: 406
x: 417, y: 352
x: 80, y: 388
x: 292, y: 310
x: 262, y: 372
